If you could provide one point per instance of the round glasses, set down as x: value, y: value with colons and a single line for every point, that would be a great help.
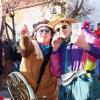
x: 62, y: 27
x: 44, y: 31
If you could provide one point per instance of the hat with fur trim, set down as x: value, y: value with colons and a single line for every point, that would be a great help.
x: 43, y: 25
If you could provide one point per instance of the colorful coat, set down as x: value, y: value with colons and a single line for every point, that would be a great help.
x: 82, y: 87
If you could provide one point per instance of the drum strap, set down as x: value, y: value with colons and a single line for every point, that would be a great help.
x: 42, y: 69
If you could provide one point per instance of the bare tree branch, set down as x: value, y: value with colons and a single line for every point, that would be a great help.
x: 77, y: 9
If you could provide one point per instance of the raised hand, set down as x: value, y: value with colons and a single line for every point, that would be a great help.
x: 81, y: 42
x: 56, y: 42
x: 24, y: 30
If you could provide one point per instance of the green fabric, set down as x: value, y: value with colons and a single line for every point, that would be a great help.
x: 89, y: 65
x: 61, y: 95
x: 84, y: 88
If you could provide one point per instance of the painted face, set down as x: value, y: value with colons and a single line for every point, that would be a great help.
x: 43, y: 35
x: 63, y: 28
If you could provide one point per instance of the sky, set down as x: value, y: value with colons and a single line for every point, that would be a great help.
x: 96, y: 13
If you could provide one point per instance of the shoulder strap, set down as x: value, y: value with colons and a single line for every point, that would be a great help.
x: 42, y: 69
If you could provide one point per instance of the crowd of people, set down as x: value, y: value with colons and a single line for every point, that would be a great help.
x: 9, y: 58
x: 57, y: 63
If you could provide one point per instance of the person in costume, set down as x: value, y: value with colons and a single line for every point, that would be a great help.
x: 97, y: 35
x: 75, y: 84
x: 97, y: 31
x: 89, y: 35
x: 33, y: 53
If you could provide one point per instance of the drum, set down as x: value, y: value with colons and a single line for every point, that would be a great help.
x: 19, y: 88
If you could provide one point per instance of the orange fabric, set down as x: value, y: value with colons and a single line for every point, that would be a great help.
x: 30, y: 68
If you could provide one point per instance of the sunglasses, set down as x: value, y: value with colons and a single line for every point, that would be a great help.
x: 63, y: 27
x: 45, y: 31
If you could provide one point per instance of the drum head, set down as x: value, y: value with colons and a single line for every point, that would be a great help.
x: 19, y: 88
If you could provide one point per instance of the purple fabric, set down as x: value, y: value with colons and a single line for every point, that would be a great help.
x: 76, y: 56
x: 62, y: 54
x: 94, y: 50
x: 64, y: 61
x: 59, y: 60
x: 88, y: 31
x: 54, y: 64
